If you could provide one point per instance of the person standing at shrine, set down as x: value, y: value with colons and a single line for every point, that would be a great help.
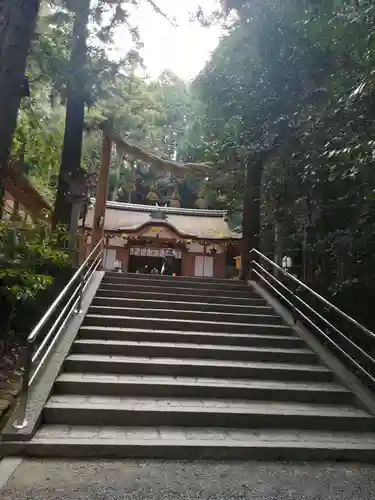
x: 168, y: 265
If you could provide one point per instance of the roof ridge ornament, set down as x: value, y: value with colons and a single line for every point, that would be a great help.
x: 159, y: 213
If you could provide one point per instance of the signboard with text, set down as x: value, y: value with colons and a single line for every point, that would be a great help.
x: 153, y: 252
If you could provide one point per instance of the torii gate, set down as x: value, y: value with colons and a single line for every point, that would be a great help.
x: 110, y: 137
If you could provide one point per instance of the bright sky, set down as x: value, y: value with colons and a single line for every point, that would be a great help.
x: 183, y: 49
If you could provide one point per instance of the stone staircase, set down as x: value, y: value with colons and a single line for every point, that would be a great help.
x: 191, y: 368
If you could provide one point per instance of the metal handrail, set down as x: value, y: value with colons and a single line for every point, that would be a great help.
x: 32, y: 364
x: 324, y: 334
x: 316, y: 295
x: 312, y: 310
x: 258, y: 269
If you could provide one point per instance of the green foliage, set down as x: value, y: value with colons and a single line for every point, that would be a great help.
x: 28, y: 256
x: 38, y: 140
x: 23, y: 285
x: 40, y: 130
x: 296, y: 78
x: 153, y: 114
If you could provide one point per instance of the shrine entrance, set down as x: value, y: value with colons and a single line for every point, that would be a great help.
x: 144, y: 259
x: 144, y: 264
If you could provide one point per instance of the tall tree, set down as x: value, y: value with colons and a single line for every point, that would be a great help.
x: 78, y: 93
x: 75, y: 112
x: 297, y: 75
x: 17, y: 24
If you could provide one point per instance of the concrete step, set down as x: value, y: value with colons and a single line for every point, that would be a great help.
x: 113, y: 410
x: 97, y: 384
x: 241, y: 292
x: 95, y: 363
x: 133, y: 292
x: 168, y: 313
x: 199, y: 369
x: 196, y: 444
x: 195, y: 337
x: 169, y: 281
x: 197, y: 351
x: 128, y: 321
x: 187, y: 279
x: 128, y: 303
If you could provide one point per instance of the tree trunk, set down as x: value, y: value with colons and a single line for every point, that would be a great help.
x: 119, y: 160
x: 279, y: 246
x: 17, y: 24
x: 305, y: 256
x: 75, y: 115
x: 251, y: 212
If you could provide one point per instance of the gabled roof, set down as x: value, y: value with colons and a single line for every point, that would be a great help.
x: 186, y: 222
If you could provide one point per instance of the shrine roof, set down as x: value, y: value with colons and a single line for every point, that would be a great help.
x: 188, y: 223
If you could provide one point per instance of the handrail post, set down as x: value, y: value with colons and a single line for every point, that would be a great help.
x: 102, y: 250
x: 82, y: 285
x: 22, y: 422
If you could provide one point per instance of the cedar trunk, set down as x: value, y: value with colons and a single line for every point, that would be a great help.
x: 17, y: 24
x: 251, y: 212
x: 75, y: 115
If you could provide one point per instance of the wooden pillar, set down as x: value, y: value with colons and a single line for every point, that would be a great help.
x: 101, y: 191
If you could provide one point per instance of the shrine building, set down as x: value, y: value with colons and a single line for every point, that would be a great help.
x: 139, y: 235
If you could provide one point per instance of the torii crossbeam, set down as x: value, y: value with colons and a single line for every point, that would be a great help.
x: 159, y: 164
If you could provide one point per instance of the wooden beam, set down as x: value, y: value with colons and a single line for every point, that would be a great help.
x: 101, y: 191
x: 19, y: 186
x: 162, y: 165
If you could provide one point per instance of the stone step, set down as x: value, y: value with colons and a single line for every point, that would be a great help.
x: 133, y: 292
x: 97, y: 384
x: 95, y: 363
x: 197, y: 351
x: 174, y: 282
x: 197, y: 337
x: 168, y: 313
x: 197, y: 369
x: 129, y: 302
x: 196, y: 444
x: 113, y: 320
x: 243, y: 292
x: 113, y: 410
x: 184, y: 279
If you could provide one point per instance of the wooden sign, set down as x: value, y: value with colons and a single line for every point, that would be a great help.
x: 153, y: 252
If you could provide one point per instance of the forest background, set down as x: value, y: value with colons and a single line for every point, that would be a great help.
x: 289, y: 90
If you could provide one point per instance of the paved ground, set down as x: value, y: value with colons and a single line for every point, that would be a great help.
x: 158, y: 480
